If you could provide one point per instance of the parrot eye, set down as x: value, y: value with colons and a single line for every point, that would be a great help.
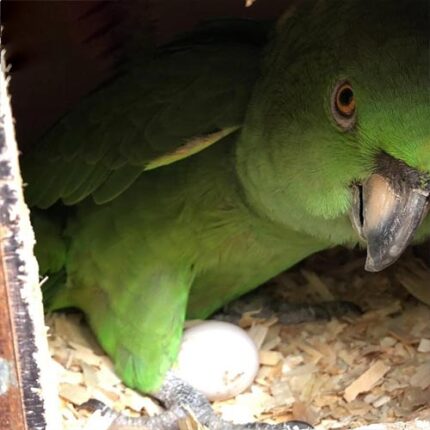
x: 343, y: 105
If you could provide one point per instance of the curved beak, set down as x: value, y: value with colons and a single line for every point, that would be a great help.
x: 388, y: 209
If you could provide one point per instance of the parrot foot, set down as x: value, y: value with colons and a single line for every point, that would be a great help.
x: 182, y: 402
x: 294, y: 314
x: 265, y: 307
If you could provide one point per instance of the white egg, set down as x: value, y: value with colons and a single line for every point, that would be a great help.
x: 217, y: 358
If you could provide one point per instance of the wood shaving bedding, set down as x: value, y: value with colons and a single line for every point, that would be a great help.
x: 338, y: 374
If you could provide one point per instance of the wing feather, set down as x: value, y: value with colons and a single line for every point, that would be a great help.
x: 155, y: 113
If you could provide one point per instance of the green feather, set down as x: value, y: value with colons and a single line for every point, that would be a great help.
x: 99, y: 173
x: 118, y: 181
x: 249, y: 167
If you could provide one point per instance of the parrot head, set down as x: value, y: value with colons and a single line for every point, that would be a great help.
x: 336, y: 142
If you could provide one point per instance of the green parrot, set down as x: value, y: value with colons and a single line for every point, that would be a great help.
x: 234, y: 153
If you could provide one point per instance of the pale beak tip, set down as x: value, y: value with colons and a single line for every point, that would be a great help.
x: 375, y: 266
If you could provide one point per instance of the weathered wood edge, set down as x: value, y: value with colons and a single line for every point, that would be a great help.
x: 34, y: 376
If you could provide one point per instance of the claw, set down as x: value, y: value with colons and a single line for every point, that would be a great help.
x: 266, y: 307
x: 180, y: 398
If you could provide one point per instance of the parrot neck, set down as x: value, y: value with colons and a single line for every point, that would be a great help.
x: 274, y: 190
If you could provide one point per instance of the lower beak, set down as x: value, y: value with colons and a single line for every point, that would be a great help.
x: 387, y: 210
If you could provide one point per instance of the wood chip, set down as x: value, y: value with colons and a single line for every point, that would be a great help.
x: 258, y: 333
x: 366, y: 381
x: 318, y: 286
x: 76, y: 394
x: 424, y: 345
x: 421, y: 378
x: 415, y: 277
x: 304, y: 368
x: 270, y: 358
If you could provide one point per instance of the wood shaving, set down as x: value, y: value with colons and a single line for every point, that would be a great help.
x: 366, y: 381
x: 345, y: 373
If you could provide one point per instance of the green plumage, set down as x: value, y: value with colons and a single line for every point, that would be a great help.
x: 269, y: 185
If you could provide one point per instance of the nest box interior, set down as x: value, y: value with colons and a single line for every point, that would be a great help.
x: 348, y: 372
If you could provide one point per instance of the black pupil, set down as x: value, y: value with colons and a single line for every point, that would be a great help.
x: 346, y: 96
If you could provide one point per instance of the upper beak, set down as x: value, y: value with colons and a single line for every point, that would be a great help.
x: 387, y: 210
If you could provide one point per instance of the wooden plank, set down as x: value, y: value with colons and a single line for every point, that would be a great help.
x: 11, y: 401
x: 28, y: 389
